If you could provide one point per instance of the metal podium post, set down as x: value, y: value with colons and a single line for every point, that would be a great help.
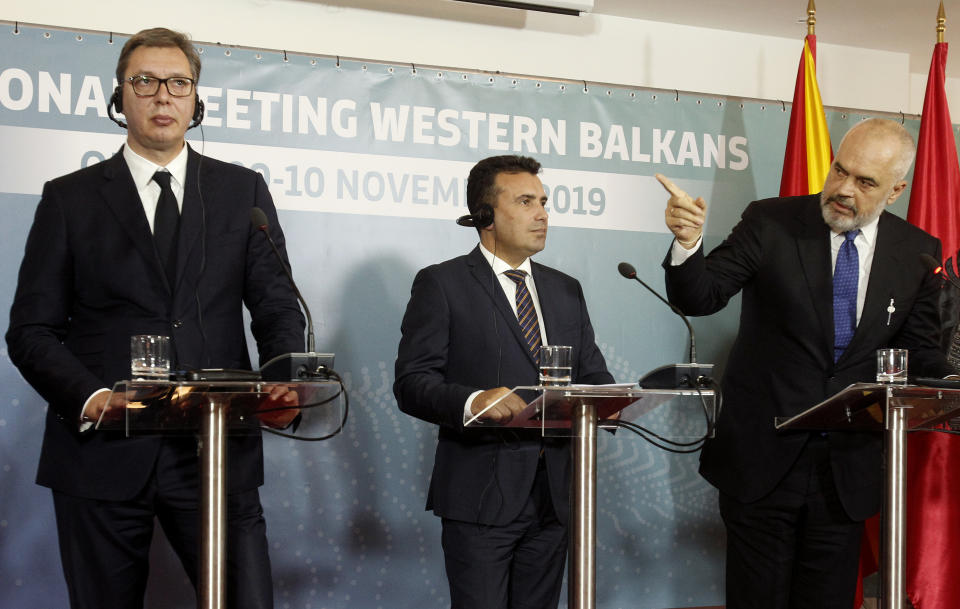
x: 213, y: 485
x: 582, y: 587
x: 894, y: 505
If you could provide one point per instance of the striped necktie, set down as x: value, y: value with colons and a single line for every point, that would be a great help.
x: 526, y: 313
x: 845, y: 280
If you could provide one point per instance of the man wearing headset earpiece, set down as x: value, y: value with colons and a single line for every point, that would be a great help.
x: 502, y: 495
x: 155, y: 240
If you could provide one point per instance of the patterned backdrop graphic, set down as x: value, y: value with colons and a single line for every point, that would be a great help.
x: 367, y: 163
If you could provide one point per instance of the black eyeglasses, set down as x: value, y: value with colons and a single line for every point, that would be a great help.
x: 177, y: 86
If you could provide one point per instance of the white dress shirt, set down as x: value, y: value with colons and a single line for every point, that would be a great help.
x: 866, y: 243
x: 142, y: 171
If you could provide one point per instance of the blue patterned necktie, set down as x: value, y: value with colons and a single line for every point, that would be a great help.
x: 526, y: 313
x: 845, y: 280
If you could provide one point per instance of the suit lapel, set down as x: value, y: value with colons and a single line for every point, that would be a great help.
x: 813, y: 248
x: 551, y: 317
x: 192, y: 212
x: 483, y: 275
x: 886, y: 255
x: 121, y: 196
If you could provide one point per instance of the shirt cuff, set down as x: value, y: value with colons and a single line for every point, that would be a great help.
x: 467, y: 413
x: 86, y: 424
x: 680, y: 254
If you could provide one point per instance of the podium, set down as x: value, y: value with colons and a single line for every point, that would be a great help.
x: 210, y: 409
x: 895, y: 409
x: 575, y: 412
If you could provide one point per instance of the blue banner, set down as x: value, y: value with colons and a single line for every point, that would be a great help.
x: 367, y: 163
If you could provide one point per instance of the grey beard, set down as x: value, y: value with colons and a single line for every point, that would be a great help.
x: 842, y: 224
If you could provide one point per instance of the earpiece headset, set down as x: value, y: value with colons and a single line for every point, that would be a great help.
x: 482, y: 219
x: 116, y: 101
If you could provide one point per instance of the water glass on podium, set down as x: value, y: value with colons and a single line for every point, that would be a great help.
x: 555, y: 365
x: 150, y: 357
x: 892, y: 366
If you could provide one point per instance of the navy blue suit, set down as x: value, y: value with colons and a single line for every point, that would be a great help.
x: 91, y: 278
x: 460, y: 335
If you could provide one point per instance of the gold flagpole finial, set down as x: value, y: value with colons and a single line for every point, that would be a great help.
x: 811, y: 18
x: 941, y: 22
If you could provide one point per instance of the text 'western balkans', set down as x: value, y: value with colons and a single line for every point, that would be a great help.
x: 410, y: 125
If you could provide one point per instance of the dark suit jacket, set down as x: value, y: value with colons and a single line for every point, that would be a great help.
x: 91, y: 278
x: 460, y: 335
x: 782, y: 360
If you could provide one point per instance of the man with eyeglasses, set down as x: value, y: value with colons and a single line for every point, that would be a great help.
x: 156, y: 240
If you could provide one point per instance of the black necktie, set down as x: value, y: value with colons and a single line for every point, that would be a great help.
x: 166, y: 225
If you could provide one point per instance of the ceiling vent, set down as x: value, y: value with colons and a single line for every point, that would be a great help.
x: 564, y: 7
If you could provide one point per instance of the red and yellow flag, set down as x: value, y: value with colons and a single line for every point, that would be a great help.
x: 807, y: 158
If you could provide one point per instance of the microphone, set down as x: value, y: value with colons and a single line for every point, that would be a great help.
x: 626, y: 269
x: 290, y: 366
x: 671, y: 375
x: 936, y: 267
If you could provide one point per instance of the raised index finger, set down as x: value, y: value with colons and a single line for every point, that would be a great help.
x: 669, y: 186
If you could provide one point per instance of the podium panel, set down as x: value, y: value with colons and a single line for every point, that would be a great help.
x: 676, y: 414
x: 863, y: 406
x: 177, y: 407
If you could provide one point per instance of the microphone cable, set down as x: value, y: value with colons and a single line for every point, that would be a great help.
x: 494, y: 480
x: 674, y: 446
x: 203, y: 253
x: 343, y: 420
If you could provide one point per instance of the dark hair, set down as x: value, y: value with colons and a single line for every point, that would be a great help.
x: 158, y: 37
x: 480, y: 184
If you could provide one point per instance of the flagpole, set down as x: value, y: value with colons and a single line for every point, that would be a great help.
x: 812, y: 18
x: 953, y: 355
x: 941, y: 22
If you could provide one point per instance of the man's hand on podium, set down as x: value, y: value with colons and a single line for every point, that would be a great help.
x: 103, y: 399
x: 503, y: 412
x: 280, y: 396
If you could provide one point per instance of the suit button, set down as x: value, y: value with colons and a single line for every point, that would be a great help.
x: 177, y: 324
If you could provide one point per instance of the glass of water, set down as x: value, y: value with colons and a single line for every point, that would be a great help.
x: 555, y: 365
x: 892, y: 366
x: 150, y: 357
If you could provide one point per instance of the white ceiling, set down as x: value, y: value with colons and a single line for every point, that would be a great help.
x: 904, y: 26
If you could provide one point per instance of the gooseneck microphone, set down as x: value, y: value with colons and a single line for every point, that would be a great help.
x: 260, y: 222
x: 672, y: 375
x: 626, y: 269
